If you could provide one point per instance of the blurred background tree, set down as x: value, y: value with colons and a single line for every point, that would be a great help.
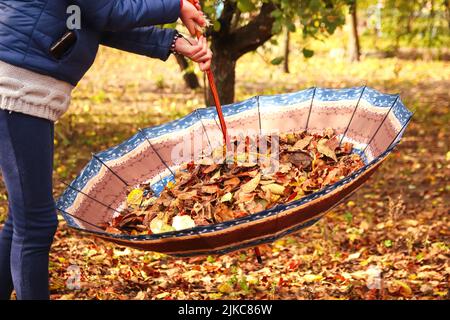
x: 354, y: 47
x: 242, y: 26
x: 393, y: 24
x: 383, y: 28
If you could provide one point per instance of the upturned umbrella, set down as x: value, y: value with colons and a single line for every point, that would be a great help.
x: 373, y: 122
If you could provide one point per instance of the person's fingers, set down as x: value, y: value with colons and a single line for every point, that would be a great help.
x: 194, y: 49
x: 199, y: 19
x: 203, y: 58
x: 191, y: 41
x: 205, y: 65
x: 202, y: 52
x: 207, y: 56
x: 191, y: 26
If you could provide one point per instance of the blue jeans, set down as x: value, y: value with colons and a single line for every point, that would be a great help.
x: 26, y: 163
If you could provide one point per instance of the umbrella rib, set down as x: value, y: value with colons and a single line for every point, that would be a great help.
x: 81, y: 219
x: 400, y: 131
x: 90, y: 197
x: 353, y: 114
x: 259, y: 115
x: 217, y: 124
x: 204, y: 129
x: 381, y: 124
x: 157, y: 153
x: 112, y: 171
x: 310, y: 109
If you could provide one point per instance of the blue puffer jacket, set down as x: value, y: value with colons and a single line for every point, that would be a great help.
x: 28, y: 29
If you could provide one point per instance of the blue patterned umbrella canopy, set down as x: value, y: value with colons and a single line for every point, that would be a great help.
x: 372, y: 121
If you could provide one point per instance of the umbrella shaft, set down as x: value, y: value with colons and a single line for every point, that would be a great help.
x: 212, y: 86
x: 223, y: 125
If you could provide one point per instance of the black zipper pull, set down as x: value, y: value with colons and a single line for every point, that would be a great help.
x: 62, y: 46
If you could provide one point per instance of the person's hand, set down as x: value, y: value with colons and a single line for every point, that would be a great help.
x: 196, y: 50
x: 192, y: 17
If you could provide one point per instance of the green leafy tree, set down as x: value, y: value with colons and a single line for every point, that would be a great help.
x: 417, y: 23
x: 241, y: 26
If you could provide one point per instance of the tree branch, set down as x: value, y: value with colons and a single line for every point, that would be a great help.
x: 226, y: 17
x: 254, y: 34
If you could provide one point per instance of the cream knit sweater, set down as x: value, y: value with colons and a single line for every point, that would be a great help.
x: 25, y: 91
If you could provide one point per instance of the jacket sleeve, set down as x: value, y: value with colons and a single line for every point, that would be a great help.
x: 153, y: 42
x: 121, y: 15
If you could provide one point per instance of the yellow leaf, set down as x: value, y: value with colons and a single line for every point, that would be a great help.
x: 170, y: 185
x: 405, y: 290
x: 351, y: 204
x: 274, y: 188
x: 441, y: 293
x: 252, y: 184
x: 159, y: 226
x: 364, y: 225
x: 162, y: 295
x: 140, y: 296
x: 226, y: 197
x: 364, y: 262
x: 225, y: 288
x: 274, y: 197
x: 216, y: 175
x: 135, y: 197
x: 312, y: 278
x: 148, y: 202
x: 301, y: 144
x: 215, y: 296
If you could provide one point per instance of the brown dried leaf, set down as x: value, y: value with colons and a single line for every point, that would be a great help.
x: 211, y: 189
x: 233, y: 182
x: 300, y: 159
x: 301, y: 144
x: 325, y: 150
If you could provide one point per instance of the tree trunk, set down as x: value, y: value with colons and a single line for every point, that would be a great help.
x: 190, y: 78
x: 287, y: 50
x: 224, y: 70
x: 354, y: 47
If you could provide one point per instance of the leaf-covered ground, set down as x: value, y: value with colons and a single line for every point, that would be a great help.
x: 390, y: 240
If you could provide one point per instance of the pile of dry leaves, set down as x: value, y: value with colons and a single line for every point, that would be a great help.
x: 217, y: 188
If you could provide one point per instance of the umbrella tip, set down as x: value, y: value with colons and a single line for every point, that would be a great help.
x: 258, y: 255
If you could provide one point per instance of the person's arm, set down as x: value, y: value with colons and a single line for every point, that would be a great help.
x: 156, y: 43
x: 121, y: 15
x: 152, y: 42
